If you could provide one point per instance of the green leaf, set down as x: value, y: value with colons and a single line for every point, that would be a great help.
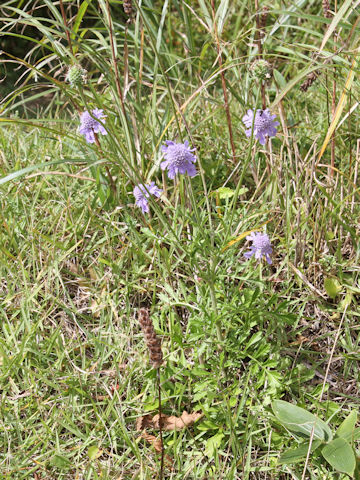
x: 301, y: 421
x: 94, y: 452
x: 212, y: 444
x: 60, y: 461
x: 346, y: 302
x: 347, y: 427
x: 297, y: 454
x: 225, y: 192
x: 23, y: 171
x: 340, y: 456
x: 332, y: 286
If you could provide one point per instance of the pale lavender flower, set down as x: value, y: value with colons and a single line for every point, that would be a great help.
x: 261, y: 246
x: 178, y: 159
x: 90, y: 125
x: 264, y: 124
x: 142, y: 193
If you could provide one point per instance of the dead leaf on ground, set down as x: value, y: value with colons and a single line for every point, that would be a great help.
x: 168, y: 423
x: 144, y: 422
x: 156, y: 443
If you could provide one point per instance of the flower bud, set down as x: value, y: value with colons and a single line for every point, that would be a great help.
x: 260, y: 69
x: 76, y: 76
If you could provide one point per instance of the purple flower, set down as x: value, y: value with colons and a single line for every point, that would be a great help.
x: 261, y: 246
x: 178, y: 159
x: 142, y: 192
x: 264, y: 124
x: 89, y: 125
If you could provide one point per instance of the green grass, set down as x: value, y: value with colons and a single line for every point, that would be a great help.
x: 78, y: 260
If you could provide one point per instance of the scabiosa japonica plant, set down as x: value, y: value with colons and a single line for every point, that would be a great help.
x: 89, y: 125
x: 178, y: 159
x: 264, y: 124
x: 142, y: 193
x: 261, y: 246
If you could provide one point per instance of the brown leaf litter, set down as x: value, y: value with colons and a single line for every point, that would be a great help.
x: 168, y: 423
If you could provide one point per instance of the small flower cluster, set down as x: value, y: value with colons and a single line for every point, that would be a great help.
x: 263, y: 124
x: 89, y: 124
x: 142, y: 193
x: 179, y: 159
x: 261, y: 246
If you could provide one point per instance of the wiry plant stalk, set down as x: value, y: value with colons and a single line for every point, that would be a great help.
x: 260, y: 25
x: 67, y: 32
x: 156, y: 358
x: 111, y: 180
x: 223, y: 83
x: 117, y: 78
x: 333, y: 108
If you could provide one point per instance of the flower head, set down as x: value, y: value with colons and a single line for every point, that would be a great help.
x: 90, y: 125
x: 260, y: 69
x: 261, y: 246
x: 142, y: 192
x: 178, y: 159
x: 76, y: 76
x: 264, y: 124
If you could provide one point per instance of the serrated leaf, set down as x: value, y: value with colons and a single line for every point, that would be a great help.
x: 297, y: 454
x: 225, y: 192
x: 347, y: 427
x: 340, y: 456
x: 300, y: 421
x: 332, y: 286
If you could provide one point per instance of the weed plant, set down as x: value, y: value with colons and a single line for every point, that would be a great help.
x: 130, y: 181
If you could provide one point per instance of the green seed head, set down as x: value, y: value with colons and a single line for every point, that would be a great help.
x: 260, y: 69
x: 76, y: 76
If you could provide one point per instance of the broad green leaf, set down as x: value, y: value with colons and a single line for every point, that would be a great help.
x: 340, y: 455
x: 94, y: 452
x: 297, y: 454
x: 79, y: 16
x: 212, y: 444
x: 332, y: 286
x: 346, y: 302
x: 301, y: 421
x: 347, y: 428
x: 60, y: 461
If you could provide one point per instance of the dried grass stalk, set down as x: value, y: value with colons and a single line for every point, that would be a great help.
x: 263, y: 19
x: 128, y: 8
x: 326, y: 8
x: 152, y: 340
x: 310, y: 79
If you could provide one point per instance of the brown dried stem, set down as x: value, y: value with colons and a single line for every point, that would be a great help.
x: 152, y: 340
x: 67, y: 32
x: 156, y: 357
